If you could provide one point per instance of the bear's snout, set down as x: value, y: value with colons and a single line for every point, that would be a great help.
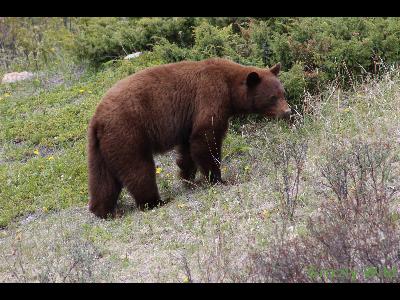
x: 283, y: 110
x: 286, y: 114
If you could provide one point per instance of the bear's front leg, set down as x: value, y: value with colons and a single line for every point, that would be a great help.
x: 205, y: 149
x: 185, y: 163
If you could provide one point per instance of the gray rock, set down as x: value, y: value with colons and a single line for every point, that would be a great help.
x: 16, y: 76
x: 133, y: 55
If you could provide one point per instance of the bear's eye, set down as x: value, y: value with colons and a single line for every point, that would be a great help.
x: 274, y: 98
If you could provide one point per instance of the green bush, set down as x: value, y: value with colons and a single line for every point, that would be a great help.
x: 169, y: 52
x: 103, y: 39
x: 328, y: 47
x: 295, y: 83
x: 313, y: 51
x: 210, y: 41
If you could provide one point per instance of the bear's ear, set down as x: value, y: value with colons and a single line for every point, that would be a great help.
x: 276, y: 69
x: 252, y: 79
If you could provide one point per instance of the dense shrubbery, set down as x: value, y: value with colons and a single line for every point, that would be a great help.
x: 103, y: 39
x: 331, y: 46
x: 210, y: 41
x: 312, y: 51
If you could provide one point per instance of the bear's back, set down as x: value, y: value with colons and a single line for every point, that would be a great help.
x: 161, y: 85
x: 161, y: 100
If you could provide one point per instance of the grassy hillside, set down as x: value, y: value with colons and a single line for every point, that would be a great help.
x: 315, y: 201
x: 303, y: 202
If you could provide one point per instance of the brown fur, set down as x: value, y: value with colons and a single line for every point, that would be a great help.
x: 185, y: 105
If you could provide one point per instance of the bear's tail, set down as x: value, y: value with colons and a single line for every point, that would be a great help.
x: 104, y: 187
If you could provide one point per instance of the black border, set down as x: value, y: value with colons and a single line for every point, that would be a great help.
x: 200, y: 8
x: 161, y: 8
x: 199, y: 290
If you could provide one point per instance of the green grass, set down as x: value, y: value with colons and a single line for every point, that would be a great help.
x: 43, y: 140
x: 43, y: 195
x: 43, y: 150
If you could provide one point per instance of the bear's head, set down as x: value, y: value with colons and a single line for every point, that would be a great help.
x: 266, y: 94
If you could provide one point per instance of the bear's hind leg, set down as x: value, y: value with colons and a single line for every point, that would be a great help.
x: 104, y: 187
x: 132, y: 162
x: 139, y: 177
x: 104, y: 195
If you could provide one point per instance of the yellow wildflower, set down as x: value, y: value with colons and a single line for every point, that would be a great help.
x: 247, y: 167
x: 265, y: 213
x: 36, y: 151
x: 89, y: 92
x: 181, y: 205
x: 81, y: 90
x: 18, y: 236
x: 50, y: 158
x: 45, y: 209
x: 186, y: 279
x: 158, y: 170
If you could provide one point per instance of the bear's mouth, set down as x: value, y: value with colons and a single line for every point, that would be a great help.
x: 277, y: 116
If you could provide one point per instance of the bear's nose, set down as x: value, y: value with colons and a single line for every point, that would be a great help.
x: 287, y: 113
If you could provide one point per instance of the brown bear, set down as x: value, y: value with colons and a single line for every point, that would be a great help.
x: 185, y: 105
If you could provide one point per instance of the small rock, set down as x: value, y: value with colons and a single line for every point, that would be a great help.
x: 15, y: 76
x: 133, y: 55
x: 28, y: 219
